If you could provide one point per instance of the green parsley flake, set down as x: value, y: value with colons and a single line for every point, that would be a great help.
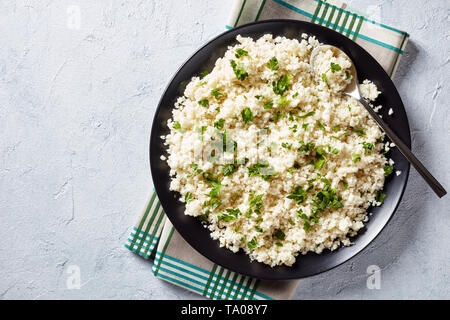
x: 368, y: 147
x: 309, y: 114
x: 204, y: 103
x: 177, y: 126
x: 229, y: 169
x: 325, y: 79
x: 333, y: 150
x: 321, y: 127
x: 247, y: 115
x: 240, y: 53
x: 268, y: 104
x: 305, y: 147
x: 356, y: 157
x: 219, y: 124
x: 188, y: 197
x: 217, y: 94
x: 273, y: 64
x: 360, y: 132
x: 232, y: 214
x: 252, y: 243
x: 299, y: 194
x: 335, y: 67
x: 388, y: 170
x: 239, y: 70
x: 279, y: 234
x: 380, y: 196
x: 283, y: 101
x: 282, y: 85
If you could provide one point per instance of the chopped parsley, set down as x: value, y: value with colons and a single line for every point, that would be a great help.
x: 247, y: 115
x: 320, y: 159
x: 321, y: 127
x: 287, y: 146
x: 305, y: 147
x: 268, y: 104
x: 252, y: 243
x: 188, y: 197
x: 261, y: 169
x: 282, y: 85
x: 219, y: 124
x: 327, y: 198
x: 305, y: 125
x: 273, y: 64
x: 388, y: 170
x: 204, y: 217
x: 309, y: 114
x: 195, y: 170
x: 229, y: 169
x: 239, y: 70
x: 356, y: 157
x: 204, y: 73
x: 177, y: 126
x: 204, y: 103
x: 308, y: 221
x: 325, y: 79
x: 277, y: 116
x: 283, y: 101
x: 380, y: 196
x: 335, y: 67
x: 333, y: 150
x: 293, y: 128
x: 217, y: 94
x: 256, y: 205
x: 295, y: 95
x: 360, y: 132
x: 279, y: 234
x: 368, y: 147
x: 230, y: 215
x: 299, y: 194
x: 240, y: 53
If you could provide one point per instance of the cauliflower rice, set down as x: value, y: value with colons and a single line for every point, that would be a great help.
x: 270, y: 156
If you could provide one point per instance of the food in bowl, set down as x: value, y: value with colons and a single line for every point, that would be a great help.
x: 270, y: 156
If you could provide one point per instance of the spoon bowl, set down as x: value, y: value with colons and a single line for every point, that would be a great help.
x: 352, y: 90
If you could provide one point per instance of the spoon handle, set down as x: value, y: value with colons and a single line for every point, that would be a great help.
x: 432, y: 182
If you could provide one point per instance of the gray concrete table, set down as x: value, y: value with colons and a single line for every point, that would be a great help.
x: 78, y: 89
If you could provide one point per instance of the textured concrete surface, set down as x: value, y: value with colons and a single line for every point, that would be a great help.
x: 78, y: 89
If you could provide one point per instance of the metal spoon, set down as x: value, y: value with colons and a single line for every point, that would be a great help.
x: 352, y: 90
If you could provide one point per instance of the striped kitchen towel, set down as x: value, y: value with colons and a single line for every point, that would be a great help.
x: 386, y: 44
x: 175, y: 261
x: 154, y: 237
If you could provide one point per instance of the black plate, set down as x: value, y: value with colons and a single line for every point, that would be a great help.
x: 306, y: 265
